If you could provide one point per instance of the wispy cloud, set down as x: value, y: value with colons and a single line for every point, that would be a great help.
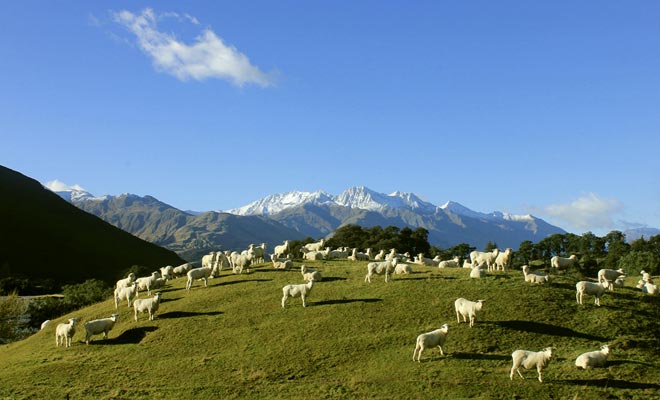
x: 207, y: 57
x: 59, y: 186
x: 588, y: 212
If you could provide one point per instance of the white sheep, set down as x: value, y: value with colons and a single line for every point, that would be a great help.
x: 380, y: 256
x: 310, y: 274
x: 533, y: 277
x: 647, y: 287
x: 593, y: 359
x: 338, y: 253
x: 147, y: 305
x: 619, y: 282
x: 402, y: 269
x: 98, y: 326
x: 563, y: 262
x: 467, y: 264
x: 420, y: 259
x: 181, y: 270
x: 126, y: 282
x: 646, y: 277
x: 313, y: 255
x: 382, y: 267
x: 166, y: 272
x: 281, y: 263
x: 594, y: 288
x: 239, y: 262
x: 479, y: 258
x: 315, y: 246
x: 257, y: 253
x: 357, y: 256
x: 477, y: 273
x: 609, y: 274
x: 530, y: 359
x: 295, y: 290
x: 64, y: 332
x: 453, y: 263
x: 126, y: 293
x: 202, y: 273
x: 431, y: 339
x: 467, y: 308
x: 44, y: 324
x: 282, y: 250
x: 502, y: 259
x: 146, y: 282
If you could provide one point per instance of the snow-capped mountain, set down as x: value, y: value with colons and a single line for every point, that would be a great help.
x: 70, y: 193
x: 275, y: 203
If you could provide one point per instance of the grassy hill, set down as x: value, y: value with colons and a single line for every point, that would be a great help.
x: 354, y: 340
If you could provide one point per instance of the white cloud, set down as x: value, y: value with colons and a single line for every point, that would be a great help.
x: 588, y: 212
x: 59, y: 186
x: 208, y: 57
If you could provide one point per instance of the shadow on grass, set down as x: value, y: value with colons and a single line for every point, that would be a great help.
x: 479, y: 356
x: 619, y: 362
x: 165, y: 300
x: 429, y: 277
x: 345, y: 301
x: 613, y: 383
x: 547, y: 329
x: 184, y: 314
x: 133, y: 335
x: 242, y: 281
x: 332, y: 279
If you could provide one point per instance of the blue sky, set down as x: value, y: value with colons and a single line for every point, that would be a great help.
x: 549, y: 108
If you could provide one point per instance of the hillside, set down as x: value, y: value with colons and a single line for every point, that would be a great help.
x: 45, y: 238
x: 354, y: 340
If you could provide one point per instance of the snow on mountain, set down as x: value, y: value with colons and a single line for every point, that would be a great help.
x: 275, y: 203
x: 70, y: 193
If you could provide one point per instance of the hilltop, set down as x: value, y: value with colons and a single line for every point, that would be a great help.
x: 354, y: 340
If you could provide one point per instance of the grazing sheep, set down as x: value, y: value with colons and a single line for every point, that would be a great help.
x: 98, y: 326
x: 502, y: 259
x: 202, y: 273
x: 281, y: 263
x: 420, y: 259
x: 530, y: 359
x: 181, y: 270
x: 294, y: 290
x: 166, y: 272
x: 126, y: 282
x: 282, y: 250
x: 477, y: 273
x: 310, y: 274
x: 239, y: 262
x: 313, y: 255
x: 335, y: 254
x: 467, y: 308
x: 609, y: 274
x: 467, y: 264
x: 646, y: 277
x: 479, y: 258
x: 431, y: 339
x: 453, y: 263
x: 619, y: 282
x: 647, y: 287
x: 126, y: 293
x: 146, y: 282
x: 315, y: 246
x: 533, y: 277
x: 357, y: 256
x: 562, y: 262
x: 593, y: 359
x: 382, y: 267
x: 380, y: 256
x: 402, y: 269
x: 64, y: 332
x: 44, y: 324
x: 597, y: 289
x: 147, y: 305
x: 257, y: 253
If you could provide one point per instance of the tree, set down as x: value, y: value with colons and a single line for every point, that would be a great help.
x: 11, y: 309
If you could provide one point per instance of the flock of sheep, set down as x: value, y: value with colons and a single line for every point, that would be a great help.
x: 382, y: 263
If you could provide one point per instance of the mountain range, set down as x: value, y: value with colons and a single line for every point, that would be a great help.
x: 300, y: 214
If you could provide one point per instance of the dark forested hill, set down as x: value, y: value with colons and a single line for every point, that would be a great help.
x: 44, y: 238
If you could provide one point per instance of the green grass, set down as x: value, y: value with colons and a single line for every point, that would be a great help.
x: 354, y: 340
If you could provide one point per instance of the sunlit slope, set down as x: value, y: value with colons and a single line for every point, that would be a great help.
x: 354, y: 340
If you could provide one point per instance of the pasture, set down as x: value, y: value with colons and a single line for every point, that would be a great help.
x: 354, y: 340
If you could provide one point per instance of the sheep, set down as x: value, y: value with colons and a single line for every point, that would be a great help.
x: 313, y: 255
x: 181, y: 270
x: 282, y: 250
x: 453, y: 263
x: 530, y: 359
x: 431, y: 339
x: 257, y: 253
x: 533, y: 277
x: 147, y: 305
x: 502, y: 259
x: 146, y: 282
x: 127, y: 293
x: 467, y: 264
x: 310, y: 274
x: 646, y: 277
x: 166, y: 272
x: 593, y: 359
x: 357, y: 256
x: 314, y: 246
x: 239, y: 262
x: 126, y: 282
x: 281, y: 263
x: 479, y: 258
x: 597, y: 289
x: 370, y: 253
x: 420, y: 259
x: 609, y: 274
x: 563, y: 263
x: 97, y: 326
x: 477, y: 273
x: 619, y: 282
x: 339, y: 253
x: 295, y: 290
x: 402, y: 269
x: 202, y: 273
x: 64, y: 332
x: 647, y: 287
x: 386, y: 267
x: 44, y: 324
x: 380, y: 256
x: 467, y: 308
x: 392, y: 254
